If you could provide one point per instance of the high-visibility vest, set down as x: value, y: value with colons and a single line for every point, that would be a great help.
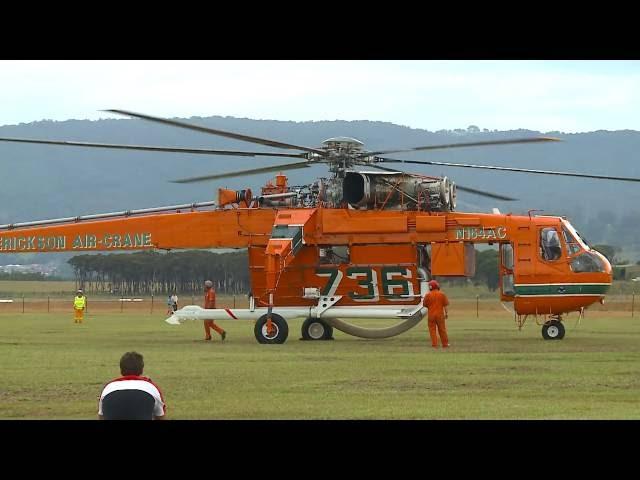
x: 79, y: 302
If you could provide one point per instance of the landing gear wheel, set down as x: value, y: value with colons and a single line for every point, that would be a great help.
x: 316, y: 329
x: 553, y: 330
x: 279, y: 333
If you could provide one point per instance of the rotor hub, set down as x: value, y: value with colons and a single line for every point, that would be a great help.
x: 343, y: 145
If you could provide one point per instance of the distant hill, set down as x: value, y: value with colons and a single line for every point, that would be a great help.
x: 43, y: 181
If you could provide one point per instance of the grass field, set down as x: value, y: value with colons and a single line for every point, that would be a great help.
x: 53, y: 369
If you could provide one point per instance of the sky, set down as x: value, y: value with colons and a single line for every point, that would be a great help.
x: 566, y: 96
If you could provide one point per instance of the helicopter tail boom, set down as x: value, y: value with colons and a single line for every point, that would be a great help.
x: 232, y: 228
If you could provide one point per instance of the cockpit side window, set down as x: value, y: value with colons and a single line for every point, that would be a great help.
x: 573, y: 246
x: 550, y: 248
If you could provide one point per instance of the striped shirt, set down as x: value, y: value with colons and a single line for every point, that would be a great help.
x: 131, y: 397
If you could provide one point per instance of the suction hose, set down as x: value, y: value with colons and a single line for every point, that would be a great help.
x: 386, y: 332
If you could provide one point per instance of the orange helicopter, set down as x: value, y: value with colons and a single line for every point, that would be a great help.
x: 362, y: 243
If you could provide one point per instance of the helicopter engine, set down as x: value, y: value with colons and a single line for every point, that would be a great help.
x: 368, y: 190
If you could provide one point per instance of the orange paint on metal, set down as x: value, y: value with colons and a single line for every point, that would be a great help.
x: 467, y: 221
x: 281, y: 181
x: 294, y: 216
x: 206, y: 229
x: 368, y: 221
x: 226, y: 197
x: 553, y: 305
x: 430, y: 223
x: 381, y: 254
x: 452, y: 259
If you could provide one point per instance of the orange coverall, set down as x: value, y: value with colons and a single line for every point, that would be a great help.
x: 435, y: 301
x: 210, y: 302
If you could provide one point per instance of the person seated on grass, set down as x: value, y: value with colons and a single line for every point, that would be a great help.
x: 131, y: 396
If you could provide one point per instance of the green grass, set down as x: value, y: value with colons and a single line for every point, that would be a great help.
x: 28, y: 288
x: 53, y: 369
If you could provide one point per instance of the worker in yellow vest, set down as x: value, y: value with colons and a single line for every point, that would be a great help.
x: 79, y: 304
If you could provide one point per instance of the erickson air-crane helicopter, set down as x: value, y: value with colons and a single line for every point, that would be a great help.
x: 358, y: 244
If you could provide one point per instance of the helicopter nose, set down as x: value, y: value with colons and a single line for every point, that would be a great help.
x: 608, y: 269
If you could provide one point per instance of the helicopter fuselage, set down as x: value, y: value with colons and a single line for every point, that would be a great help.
x: 368, y: 257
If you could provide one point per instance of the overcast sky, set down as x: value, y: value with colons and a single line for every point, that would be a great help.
x: 569, y: 96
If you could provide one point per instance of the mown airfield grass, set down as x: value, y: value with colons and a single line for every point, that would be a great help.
x: 51, y: 368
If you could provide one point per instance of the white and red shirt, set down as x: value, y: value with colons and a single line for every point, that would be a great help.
x: 132, y: 397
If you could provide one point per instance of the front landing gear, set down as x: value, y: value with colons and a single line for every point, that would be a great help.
x: 316, y: 329
x: 278, y: 332
x: 553, y: 329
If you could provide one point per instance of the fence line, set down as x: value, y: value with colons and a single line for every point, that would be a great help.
x: 48, y: 304
x: 56, y: 305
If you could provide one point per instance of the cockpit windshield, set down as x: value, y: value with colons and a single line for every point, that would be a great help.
x: 582, y: 257
x: 573, y: 246
x: 584, y: 240
x: 574, y: 236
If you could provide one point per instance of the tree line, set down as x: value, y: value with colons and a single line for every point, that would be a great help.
x: 143, y: 273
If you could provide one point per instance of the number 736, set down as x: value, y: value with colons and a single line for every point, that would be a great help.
x: 396, y: 282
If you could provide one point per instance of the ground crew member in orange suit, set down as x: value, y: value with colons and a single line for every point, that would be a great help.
x: 210, y: 302
x: 79, y: 304
x: 437, y: 303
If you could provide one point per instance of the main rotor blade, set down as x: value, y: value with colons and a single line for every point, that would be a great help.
x: 222, y: 133
x: 467, y: 144
x: 459, y: 187
x: 511, y: 169
x: 483, y: 193
x: 241, y: 173
x: 202, y: 151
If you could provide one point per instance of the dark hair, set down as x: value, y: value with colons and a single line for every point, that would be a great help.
x: 131, y: 363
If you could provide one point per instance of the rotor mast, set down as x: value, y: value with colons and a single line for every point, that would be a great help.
x: 342, y: 153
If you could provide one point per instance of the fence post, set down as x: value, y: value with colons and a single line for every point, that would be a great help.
x: 121, y: 304
x: 48, y: 303
x: 633, y: 301
x: 23, y: 303
x: 234, y: 300
x: 477, y: 306
x: 152, y: 303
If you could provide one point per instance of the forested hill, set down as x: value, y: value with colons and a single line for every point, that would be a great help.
x: 44, y: 181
